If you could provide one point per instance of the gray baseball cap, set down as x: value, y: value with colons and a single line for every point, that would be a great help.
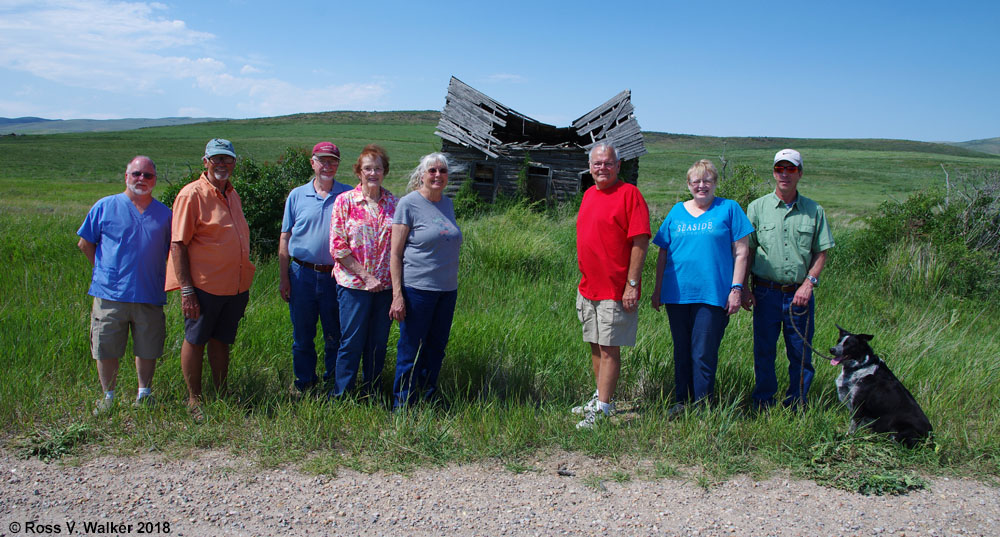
x: 219, y: 146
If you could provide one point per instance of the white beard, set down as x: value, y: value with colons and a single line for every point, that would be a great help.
x: 138, y: 190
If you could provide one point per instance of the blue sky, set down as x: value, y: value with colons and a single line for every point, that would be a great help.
x: 912, y: 70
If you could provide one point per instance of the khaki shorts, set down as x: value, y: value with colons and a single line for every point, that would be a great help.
x: 110, y: 322
x: 606, y: 322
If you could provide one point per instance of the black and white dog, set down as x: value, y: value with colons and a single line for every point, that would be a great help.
x: 873, y: 395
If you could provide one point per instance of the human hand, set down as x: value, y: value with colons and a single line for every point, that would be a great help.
x: 397, y: 310
x: 803, y: 294
x: 190, y: 307
x: 654, y: 300
x: 630, y: 298
x: 734, y: 301
x: 747, y: 299
x: 285, y: 289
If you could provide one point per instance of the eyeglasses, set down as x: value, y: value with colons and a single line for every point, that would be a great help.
x: 604, y: 164
x: 442, y: 171
x: 326, y: 161
x: 789, y: 169
x: 144, y: 175
x: 225, y: 159
x: 707, y: 182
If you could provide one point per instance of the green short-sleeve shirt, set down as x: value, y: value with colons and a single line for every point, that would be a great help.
x: 785, y: 239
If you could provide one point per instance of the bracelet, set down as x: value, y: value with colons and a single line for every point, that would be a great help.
x: 187, y: 291
x: 736, y: 286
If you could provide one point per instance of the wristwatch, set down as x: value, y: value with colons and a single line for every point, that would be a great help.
x: 633, y: 283
x: 813, y: 280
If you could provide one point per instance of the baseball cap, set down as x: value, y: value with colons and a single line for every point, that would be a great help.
x: 326, y: 149
x: 790, y: 155
x: 218, y: 146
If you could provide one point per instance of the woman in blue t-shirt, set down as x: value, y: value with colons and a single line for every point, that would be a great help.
x: 699, y: 278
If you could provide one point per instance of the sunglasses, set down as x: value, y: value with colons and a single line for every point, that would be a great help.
x: 144, y: 175
x: 789, y: 169
x: 432, y: 171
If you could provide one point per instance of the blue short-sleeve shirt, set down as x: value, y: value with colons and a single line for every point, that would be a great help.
x: 700, y: 262
x: 130, y: 262
x: 307, y: 217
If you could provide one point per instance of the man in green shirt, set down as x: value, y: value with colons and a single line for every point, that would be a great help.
x: 787, y: 252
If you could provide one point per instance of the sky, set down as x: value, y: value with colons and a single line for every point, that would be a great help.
x: 875, y: 69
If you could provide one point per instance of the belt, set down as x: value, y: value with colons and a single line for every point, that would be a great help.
x: 326, y: 269
x: 761, y: 282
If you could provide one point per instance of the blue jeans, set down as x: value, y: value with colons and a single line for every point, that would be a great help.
x: 313, y: 297
x: 425, y: 329
x: 773, y: 313
x: 364, y: 333
x: 697, y: 331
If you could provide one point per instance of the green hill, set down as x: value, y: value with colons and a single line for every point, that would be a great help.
x: 986, y: 145
x: 37, y: 125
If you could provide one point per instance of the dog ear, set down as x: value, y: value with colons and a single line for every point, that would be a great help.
x: 842, y: 331
x: 865, y: 337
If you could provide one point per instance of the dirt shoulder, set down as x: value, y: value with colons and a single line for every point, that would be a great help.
x: 216, y: 494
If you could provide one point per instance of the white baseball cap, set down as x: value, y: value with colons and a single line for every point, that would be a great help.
x: 790, y: 155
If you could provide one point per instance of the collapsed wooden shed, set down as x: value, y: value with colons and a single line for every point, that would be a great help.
x: 492, y: 144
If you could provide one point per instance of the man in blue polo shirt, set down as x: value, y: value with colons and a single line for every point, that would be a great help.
x: 306, y: 267
x: 126, y: 238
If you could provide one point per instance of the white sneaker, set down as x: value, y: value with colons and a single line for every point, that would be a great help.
x: 592, y: 417
x: 593, y: 404
x: 103, y: 405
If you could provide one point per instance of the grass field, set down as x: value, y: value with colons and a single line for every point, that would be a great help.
x: 515, y: 362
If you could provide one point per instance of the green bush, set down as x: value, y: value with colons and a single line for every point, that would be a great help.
x: 262, y: 189
x: 744, y: 186
x: 934, y: 240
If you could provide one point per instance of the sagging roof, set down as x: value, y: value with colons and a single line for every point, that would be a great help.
x: 472, y: 119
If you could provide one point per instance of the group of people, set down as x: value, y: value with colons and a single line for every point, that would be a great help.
x: 354, y: 259
x: 351, y: 259
x: 713, y: 260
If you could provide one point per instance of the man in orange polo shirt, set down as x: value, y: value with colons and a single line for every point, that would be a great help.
x: 210, y: 263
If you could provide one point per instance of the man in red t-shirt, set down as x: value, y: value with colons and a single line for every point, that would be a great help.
x: 612, y: 236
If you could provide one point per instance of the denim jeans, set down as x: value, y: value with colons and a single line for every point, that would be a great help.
x: 697, y: 331
x: 313, y: 297
x: 774, y: 313
x: 364, y: 333
x: 425, y: 329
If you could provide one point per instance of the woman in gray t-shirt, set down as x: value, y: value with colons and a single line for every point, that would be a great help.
x: 423, y: 262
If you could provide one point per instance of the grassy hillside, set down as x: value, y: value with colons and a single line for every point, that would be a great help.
x: 986, y: 145
x: 55, y: 126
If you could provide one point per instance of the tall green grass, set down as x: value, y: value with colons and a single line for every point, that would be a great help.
x: 515, y: 362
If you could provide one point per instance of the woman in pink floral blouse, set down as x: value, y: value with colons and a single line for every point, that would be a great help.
x: 359, y: 243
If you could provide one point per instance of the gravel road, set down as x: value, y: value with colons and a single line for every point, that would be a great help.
x: 215, y: 494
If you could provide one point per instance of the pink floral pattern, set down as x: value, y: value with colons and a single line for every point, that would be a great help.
x: 356, y: 229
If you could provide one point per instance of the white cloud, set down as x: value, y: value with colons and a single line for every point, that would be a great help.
x: 132, y: 47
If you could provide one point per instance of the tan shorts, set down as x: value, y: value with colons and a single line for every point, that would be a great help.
x: 606, y: 322
x: 110, y: 322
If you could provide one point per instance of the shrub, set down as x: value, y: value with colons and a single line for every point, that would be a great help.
x: 468, y: 203
x: 935, y: 239
x: 262, y: 189
x: 744, y: 186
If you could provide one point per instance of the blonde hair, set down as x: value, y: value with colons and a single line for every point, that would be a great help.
x: 701, y: 168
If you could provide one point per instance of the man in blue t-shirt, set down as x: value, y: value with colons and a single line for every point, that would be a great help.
x: 126, y: 238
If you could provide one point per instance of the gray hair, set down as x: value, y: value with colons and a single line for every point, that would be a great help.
x: 606, y: 146
x: 425, y: 162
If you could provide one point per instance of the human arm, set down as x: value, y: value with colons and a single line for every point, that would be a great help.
x: 637, y: 257
x: 88, y: 248
x: 372, y: 283
x: 661, y: 265
x: 189, y: 302
x: 805, y: 290
x: 397, y: 311
x: 747, y: 298
x: 284, y: 259
x: 741, y: 255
